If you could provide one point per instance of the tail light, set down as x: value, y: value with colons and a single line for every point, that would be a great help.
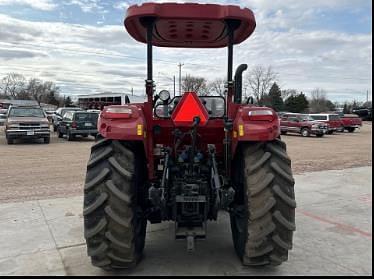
x: 74, y: 124
x: 117, y: 112
x: 261, y: 115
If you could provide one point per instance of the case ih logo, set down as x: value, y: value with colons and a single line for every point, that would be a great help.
x: 187, y: 109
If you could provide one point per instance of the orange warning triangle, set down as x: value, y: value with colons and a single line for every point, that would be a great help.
x: 188, y: 108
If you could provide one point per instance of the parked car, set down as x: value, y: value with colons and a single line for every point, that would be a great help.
x: 26, y: 122
x: 332, y: 119
x: 94, y: 110
x: 3, y: 113
x: 75, y: 123
x: 50, y: 114
x: 302, y: 124
x: 351, y: 122
x: 57, y: 117
x: 365, y: 114
x: 2, y: 119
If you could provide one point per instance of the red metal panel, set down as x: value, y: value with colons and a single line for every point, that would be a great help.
x: 189, y: 25
x: 253, y: 130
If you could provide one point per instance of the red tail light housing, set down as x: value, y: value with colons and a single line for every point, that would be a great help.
x: 74, y: 124
x: 117, y: 112
x: 262, y: 114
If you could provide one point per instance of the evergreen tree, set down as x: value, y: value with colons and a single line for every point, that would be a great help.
x: 297, y: 103
x: 68, y: 102
x: 275, y: 98
x: 346, y: 108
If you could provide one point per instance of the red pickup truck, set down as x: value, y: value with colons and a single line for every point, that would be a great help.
x: 351, y: 122
x: 333, y: 120
x: 302, y: 124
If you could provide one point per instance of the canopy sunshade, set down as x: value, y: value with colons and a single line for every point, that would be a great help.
x: 190, y: 25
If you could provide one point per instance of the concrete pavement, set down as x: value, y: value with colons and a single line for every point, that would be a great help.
x: 333, y: 236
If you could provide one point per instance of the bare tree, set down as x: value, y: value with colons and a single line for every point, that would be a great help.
x: 319, y: 101
x: 260, y: 79
x: 12, y: 84
x: 217, y: 87
x: 35, y: 89
x: 40, y: 91
x: 287, y: 93
x: 195, y: 84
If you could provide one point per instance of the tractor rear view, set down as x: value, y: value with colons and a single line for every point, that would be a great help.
x: 184, y: 159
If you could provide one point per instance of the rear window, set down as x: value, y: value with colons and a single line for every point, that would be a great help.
x: 86, y: 116
x: 63, y: 111
x: 319, y: 117
x: 334, y: 117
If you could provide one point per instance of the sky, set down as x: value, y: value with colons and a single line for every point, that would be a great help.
x: 84, y: 48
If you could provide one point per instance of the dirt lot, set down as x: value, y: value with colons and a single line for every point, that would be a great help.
x: 32, y: 170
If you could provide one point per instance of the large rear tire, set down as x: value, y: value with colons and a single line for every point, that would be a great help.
x: 263, y: 215
x: 114, y: 201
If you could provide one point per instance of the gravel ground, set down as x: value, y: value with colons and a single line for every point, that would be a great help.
x: 33, y: 170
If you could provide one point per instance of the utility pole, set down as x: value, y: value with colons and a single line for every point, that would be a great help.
x: 174, y: 85
x: 180, y: 78
x: 367, y: 96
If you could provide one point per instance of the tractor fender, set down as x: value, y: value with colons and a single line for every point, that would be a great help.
x: 250, y: 125
x: 123, y: 122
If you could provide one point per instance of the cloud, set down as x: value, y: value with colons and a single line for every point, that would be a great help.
x: 122, y: 5
x: 10, y: 54
x: 87, y: 6
x: 84, y: 58
x: 44, y: 5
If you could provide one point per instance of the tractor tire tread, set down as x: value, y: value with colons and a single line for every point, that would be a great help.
x: 114, y: 233
x: 97, y: 179
x: 269, y: 187
x: 96, y: 204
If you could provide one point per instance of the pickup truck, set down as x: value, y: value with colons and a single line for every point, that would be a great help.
x: 29, y: 122
x: 302, y: 124
x: 366, y: 114
x: 351, y: 122
x: 332, y: 119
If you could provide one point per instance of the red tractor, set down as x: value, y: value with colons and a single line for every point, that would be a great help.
x: 183, y: 159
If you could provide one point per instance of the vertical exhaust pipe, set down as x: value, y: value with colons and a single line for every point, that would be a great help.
x: 239, y: 83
